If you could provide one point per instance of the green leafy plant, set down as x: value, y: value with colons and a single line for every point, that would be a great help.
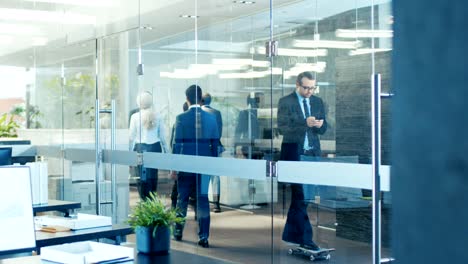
x: 8, y: 126
x: 152, y: 212
x: 30, y: 113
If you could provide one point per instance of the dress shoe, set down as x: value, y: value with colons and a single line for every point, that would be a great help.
x: 311, y: 247
x: 177, y: 235
x: 203, y: 243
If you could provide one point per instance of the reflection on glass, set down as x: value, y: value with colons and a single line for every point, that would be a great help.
x: 248, y: 129
x: 215, y: 180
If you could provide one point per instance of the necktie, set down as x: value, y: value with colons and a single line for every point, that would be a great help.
x: 308, y: 139
x: 306, y: 108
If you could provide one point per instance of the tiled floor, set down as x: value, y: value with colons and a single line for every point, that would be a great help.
x: 243, y: 236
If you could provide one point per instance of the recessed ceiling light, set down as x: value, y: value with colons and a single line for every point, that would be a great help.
x: 147, y: 27
x: 189, y: 16
x: 244, y: 2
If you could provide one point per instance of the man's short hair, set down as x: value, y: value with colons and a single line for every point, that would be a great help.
x: 306, y: 74
x: 254, y: 99
x: 206, y: 99
x: 193, y: 94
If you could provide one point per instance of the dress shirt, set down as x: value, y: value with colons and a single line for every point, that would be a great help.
x: 301, y: 103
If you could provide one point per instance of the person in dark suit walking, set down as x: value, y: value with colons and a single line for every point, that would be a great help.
x: 301, y: 119
x: 215, y: 181
x: 248, y: 129
x: 196, y: 133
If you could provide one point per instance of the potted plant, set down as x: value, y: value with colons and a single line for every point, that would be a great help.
x: 152, y: 221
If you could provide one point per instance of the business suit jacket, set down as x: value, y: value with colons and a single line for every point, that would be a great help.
x: 242, y: 128
x: 196, y: 133
x: 293, y: 126
x: 219, y: 119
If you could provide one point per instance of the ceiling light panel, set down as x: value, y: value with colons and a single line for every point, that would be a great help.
x: 363, y: 33
x: 366, y: 51
x: 39, y: 41
x: 17, y: 29
x: 93, y: 3
x: 246, y: 62
x: 4, y: 40
x: 313, y: 44
x: 46, y: 16
x: 296, y: 52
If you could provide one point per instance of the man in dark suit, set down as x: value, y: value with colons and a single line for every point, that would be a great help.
x: 301, y: 119
x: 248, y: 129
x: 196, y: 133
x: 215, y: 181
x: 175, y: 193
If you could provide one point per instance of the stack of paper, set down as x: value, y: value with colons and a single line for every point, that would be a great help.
x: 86, y: 253
x: 39, y: 182
x: 81, y: 221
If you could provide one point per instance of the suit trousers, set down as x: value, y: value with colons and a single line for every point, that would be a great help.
x: 298, y: 229
x: 148, y: 176
x: 185, y: 183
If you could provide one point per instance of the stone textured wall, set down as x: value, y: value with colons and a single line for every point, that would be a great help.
x: 354, y: 106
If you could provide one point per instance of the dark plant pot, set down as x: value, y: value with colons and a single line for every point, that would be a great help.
x: 157, y: 245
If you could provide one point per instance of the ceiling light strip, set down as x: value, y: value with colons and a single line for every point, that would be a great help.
x: 363, y: 33
x: 46, y: 16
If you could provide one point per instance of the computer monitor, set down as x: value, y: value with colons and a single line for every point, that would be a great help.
x: 5, y: 156
x: 16, y: 212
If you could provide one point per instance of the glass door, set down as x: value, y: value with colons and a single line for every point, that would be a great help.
x: 217, y: 54
x: 324, y: 107
x: 382, y: 52
x: 275, y: 179
x: 64, y: 93
x: 116, y: 91
x: 78, y: 70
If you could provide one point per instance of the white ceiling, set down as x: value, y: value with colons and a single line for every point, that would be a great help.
x: 227, y: 21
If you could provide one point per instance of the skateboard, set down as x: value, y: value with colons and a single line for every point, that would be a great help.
x: 322, y: 254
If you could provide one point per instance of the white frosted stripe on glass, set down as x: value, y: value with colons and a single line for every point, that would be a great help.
x: 385, y: 178
x: 21, y: 150
x: 120, y: 157
x: 332, y: 174
x: 49, y: 151
x: 85, y: 155
x: 238, y: 168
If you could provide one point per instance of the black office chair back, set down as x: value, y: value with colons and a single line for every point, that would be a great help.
x: 5, y: 156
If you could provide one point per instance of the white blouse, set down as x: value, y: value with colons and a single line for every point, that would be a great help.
x: 147, y: 136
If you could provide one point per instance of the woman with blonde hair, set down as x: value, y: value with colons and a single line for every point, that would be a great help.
x: 147, y: 134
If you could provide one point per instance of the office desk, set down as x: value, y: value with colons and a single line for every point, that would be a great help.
x: 56, y: 205
x: 115, y: 232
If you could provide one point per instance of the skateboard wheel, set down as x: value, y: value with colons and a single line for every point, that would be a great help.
x: 290, y: 251
x: 312, y: 258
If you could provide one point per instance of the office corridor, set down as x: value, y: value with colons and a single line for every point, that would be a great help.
x: 245, y: 236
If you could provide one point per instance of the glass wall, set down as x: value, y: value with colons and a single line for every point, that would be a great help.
x: 103, y: 101
x: 334, y: 194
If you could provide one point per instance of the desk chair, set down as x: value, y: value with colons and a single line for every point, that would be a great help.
x: 5, y: 156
